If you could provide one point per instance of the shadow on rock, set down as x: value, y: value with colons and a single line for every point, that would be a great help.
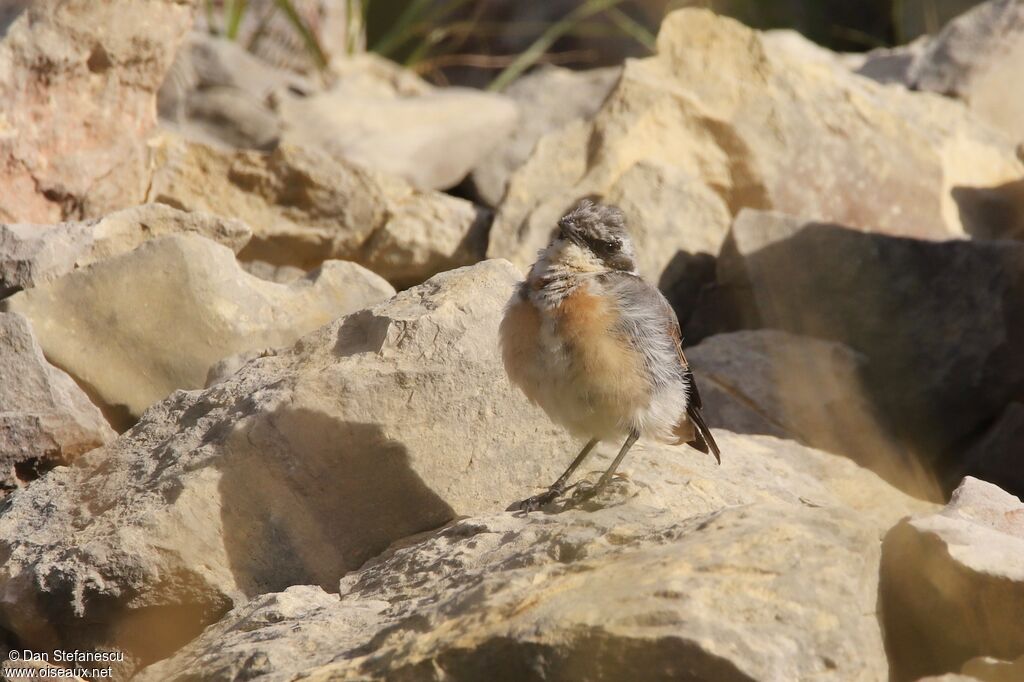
x: 310, y: 517
x: 992, y: 212
x: 937, y: 321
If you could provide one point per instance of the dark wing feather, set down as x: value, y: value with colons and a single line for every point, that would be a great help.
x: 704, y: 441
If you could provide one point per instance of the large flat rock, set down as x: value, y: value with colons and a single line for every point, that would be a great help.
x: 305, y: 463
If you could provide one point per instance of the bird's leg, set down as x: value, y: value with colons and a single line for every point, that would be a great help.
x: 556, y: 488
x: 607, y: 476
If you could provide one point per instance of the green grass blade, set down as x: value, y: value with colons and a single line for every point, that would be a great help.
x: 540, y: 46
x: 633, y: 28
x: 312, y: 44
x: 236, y: 11
x: 401, y: 31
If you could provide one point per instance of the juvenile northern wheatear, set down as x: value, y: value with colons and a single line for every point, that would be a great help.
x: 597, y: 347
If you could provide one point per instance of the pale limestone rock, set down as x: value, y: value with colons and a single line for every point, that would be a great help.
x: 78, y: 84
x: 634, y: 585
x: 548, y: 99
x: 305, y: 207
x: 218, y: 92
x: 34, y: 254
x: 45, y: 418
x: 952, y: 583
x: 138, y: 326
x: 979, y: 57
x: 763, y: 128
x: 306, y: 462
x: 431, y: 139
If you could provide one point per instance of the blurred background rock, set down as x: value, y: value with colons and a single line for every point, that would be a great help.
x: 469, y: 42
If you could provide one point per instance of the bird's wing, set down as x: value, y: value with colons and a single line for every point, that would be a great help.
x: 648, y: 313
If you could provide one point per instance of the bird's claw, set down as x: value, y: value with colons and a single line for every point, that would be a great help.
x: 537, y: 501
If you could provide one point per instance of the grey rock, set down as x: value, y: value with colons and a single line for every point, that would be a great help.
x: 35, y: 254
x: 548, y: 99
x: 936, y: 320
x: 893, y: 64
x: 977, y: 57
x: 805, y: 389
x: 45, y: 418
x: 765, y: 128
x: 997, y: 455
x: 218, y: 92
x: 640, y: 583
x: 431, y: 139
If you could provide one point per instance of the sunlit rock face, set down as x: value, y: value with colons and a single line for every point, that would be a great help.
x: 78, y: 83
x: 953, y: 585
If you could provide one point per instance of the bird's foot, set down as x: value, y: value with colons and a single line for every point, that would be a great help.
x: 584, y: 491
x: 537, y: 501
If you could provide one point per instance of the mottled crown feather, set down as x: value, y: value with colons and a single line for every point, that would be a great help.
x: 592, y: 219
x: 601, y: 229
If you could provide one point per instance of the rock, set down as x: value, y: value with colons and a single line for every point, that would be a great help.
x: 307, y: 462
x: 282, y: 274
x: 995, y: 456
x: 952, y: 583
x: 653, y: 196
x: 974, y: 58
x: 431, y: 139
x: 34, y: 254
x: 45, y: 418
x: 188, y: 306
x: 762, y: 129
x: 988, y: 669
x: 218, y: 92
x: 799, y: 47
x: 548, y: 99
x: 936, y: 320
x: 369, y: 75
x: 805, y: 389
x: 893, y: 64
x: 78, y: 86
x: 648, y: 582
x: 306, y: 207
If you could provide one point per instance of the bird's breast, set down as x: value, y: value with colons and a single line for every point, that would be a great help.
x: 569, y: 357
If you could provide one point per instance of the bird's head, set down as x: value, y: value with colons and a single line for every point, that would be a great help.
x: 600, y: 231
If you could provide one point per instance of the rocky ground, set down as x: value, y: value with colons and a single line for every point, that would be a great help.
x: 253, y: 421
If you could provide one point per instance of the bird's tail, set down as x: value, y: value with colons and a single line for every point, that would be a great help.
x: 703, y: 440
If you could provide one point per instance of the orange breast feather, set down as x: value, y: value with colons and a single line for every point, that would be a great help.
x: 520, y: 345
x: 604, y: 362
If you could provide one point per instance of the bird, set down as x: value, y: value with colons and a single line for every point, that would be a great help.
x: 599, y: 348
